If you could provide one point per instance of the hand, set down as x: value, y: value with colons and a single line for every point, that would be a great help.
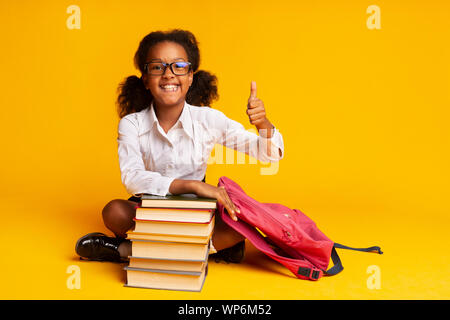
x: 255, y: 110
x: 206, y: 190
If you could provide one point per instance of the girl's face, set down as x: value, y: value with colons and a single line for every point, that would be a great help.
x: 167, y: 89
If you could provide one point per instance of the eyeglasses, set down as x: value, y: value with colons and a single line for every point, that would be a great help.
x: 179, y: 68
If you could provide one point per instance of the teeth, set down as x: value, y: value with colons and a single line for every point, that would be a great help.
x: 170, y: 87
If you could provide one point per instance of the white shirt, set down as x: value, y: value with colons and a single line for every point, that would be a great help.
x: 150, y: 159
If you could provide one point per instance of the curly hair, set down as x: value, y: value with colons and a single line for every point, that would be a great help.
x: 134, y: 96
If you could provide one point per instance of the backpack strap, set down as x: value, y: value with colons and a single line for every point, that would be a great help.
x: 337, y: 264
x: 369, y: 249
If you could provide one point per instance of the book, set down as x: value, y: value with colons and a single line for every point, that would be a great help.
x: 166, y: 279
x: 187, y: 200
x: 169, y: 238
x: 167, y: 264
x: 174, y: 228
x: 169, y: 250
x: 170, y: 242
x: 175, y: 214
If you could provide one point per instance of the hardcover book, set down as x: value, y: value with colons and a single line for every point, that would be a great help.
x: 167, y: 237
x: 174, y: 228
x: 169, y: 250
x: 187, y: 200
x: 174, y: 214
x: 166, y: 279
x: 167, y: 264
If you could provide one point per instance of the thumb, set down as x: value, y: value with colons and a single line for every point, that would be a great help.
x: 253, y: 90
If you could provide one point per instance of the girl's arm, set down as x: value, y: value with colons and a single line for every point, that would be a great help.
x: 202, y: 189
x: 268, y: 146
x: 139, y: 180
x: 257, y: 116
x: 266, y: 131
x: 135, y: 177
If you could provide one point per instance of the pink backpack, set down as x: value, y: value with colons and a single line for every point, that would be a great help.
x: 291, y: 238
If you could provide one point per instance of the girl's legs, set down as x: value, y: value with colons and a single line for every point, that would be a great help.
x: 118, y: 217
x: 224, y: 236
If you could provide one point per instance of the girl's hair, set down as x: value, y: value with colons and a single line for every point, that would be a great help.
x: 134, y: 96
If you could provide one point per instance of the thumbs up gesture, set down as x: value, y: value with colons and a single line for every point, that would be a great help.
x: 256, y: 111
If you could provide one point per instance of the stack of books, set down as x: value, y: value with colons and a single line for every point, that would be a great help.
x: 170, y: 242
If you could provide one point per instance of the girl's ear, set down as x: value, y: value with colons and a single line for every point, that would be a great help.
x: 144, y: 80
x: 191, y: 77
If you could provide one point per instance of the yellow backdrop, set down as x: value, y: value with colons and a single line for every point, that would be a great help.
x: 359, y: 90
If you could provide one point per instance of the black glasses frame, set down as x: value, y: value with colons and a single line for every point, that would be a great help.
x: 165, y: 67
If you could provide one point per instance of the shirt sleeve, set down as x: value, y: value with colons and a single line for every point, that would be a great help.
x: 135, y: 177
x: 233, y: 135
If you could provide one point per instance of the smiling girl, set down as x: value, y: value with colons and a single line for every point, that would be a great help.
x: 165, y: 137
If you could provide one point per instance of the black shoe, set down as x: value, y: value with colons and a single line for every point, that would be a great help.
x: 234, y: 254
x: 99, y: 247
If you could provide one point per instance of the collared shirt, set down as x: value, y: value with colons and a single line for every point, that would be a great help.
x: 151, y: 159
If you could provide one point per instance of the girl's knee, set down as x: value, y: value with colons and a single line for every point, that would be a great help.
x: 111, y: 209
x: 118, y: 212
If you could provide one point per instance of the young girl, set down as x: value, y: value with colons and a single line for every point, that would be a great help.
x: 165, y: 137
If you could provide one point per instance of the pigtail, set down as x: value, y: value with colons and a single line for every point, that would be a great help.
x: 203, y: 90
x: 133, y: 96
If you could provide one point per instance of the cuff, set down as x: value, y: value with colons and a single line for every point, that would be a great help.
x: 164, y: 185
x: 161, y: 188
x: 277, y: 144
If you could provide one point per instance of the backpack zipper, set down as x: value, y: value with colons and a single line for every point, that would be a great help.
x: 285, y: 232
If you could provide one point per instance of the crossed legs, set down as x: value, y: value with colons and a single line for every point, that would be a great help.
x: 118, y: 217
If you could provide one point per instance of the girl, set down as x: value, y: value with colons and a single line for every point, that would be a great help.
x: 165, y: 136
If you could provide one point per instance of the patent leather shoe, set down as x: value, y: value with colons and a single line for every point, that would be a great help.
x: 99, y: 247
x: 234, y: 254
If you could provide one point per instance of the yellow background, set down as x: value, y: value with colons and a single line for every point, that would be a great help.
x: 364, y: 116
